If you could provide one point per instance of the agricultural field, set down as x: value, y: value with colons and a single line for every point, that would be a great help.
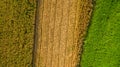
x: 102, y: 43
x: 61, y: 27
x: 16, y: 32
x: 65, y: 35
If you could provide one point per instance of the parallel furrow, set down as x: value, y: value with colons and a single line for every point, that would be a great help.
x: 61, y: 29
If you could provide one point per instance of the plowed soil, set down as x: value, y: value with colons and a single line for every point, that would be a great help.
x: 60, y: 29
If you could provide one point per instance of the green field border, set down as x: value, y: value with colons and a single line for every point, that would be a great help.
x: 102, y: 43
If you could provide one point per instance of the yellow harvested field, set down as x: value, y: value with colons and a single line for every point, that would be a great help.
x: 60, y: 29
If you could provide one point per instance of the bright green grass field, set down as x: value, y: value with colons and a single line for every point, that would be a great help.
x: 16, y: 32
x: 102, y: 44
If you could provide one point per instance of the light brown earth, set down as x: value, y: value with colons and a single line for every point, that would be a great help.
x: 60, y: 29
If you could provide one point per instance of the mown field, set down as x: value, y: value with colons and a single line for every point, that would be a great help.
x: 102, y: 44
x: 16, y: 32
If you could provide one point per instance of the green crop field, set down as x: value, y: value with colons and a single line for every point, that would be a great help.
x: 16, y: 32
x: 102, y: 44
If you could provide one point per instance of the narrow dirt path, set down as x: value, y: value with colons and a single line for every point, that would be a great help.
x: 60, y: 29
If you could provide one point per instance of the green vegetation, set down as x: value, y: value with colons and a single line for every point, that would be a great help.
x: 102, y: 44
x: 16, y: 32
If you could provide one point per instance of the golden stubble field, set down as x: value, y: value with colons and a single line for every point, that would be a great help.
x: 60, y: 29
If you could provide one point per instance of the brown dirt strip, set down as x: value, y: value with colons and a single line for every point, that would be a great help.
x: 60, y: 29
